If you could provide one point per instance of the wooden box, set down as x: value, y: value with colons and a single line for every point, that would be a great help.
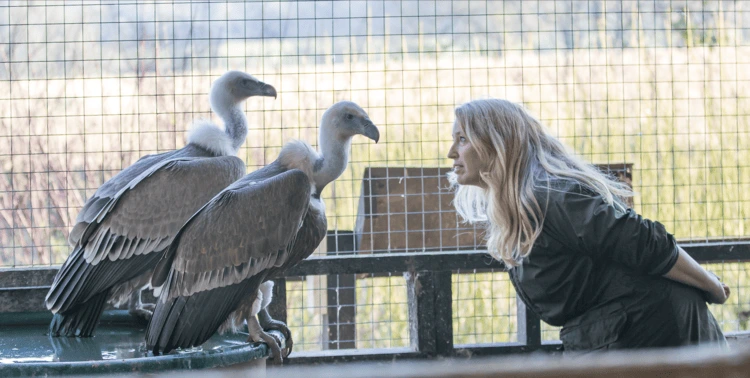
x: 410, y: 210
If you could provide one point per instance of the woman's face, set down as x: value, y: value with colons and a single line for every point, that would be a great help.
x: 466, y: 163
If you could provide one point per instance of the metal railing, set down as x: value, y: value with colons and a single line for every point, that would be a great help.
x: 428, y: 279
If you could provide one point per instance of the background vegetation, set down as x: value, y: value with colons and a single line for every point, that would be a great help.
x: 87, y: 89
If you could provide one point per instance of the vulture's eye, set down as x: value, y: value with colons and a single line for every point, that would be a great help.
x: 349, y: 116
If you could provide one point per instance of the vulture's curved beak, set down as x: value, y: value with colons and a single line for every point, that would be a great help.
x: 267, y: 90
x: 370, y: 130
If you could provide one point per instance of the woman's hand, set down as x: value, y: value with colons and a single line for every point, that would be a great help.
x: 688, y: 271
x: 719, y: 293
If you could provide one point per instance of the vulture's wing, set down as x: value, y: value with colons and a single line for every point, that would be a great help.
x: 222, y: 254
x: 141, y: 218
x: 244, y: 229
x: 109, y: 190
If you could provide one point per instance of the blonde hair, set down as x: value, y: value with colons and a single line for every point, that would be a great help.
x: 520, y: 156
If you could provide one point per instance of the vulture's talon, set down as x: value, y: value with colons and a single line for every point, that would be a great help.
x: 257, y: 334
x: 275, y: 345
x: 276, y: 325
x: 289, y: 344
x: 270, y: 324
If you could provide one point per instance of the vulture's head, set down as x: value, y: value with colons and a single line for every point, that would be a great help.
x: 346, y: 119
x: 235, y: 86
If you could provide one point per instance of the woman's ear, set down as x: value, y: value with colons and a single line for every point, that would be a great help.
x: 486, y: 179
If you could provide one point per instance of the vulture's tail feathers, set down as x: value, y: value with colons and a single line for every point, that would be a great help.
x: 185, y: 322
x: 80, y: 321
x: 161, y: 326
x: 61, y: 294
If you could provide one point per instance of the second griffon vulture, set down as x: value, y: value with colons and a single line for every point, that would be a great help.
x: 253, y: 230
x: 132, y: 218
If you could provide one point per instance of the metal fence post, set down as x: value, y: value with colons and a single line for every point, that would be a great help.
x: 529, y: 326
x: 429, y: 296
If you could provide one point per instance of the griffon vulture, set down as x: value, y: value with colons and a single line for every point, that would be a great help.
x: 132, y: 218
x: 252, y: 231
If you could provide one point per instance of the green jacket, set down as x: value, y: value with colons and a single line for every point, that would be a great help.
x: 597, y: 271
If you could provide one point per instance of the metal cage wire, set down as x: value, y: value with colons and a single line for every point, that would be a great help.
x: 86, y: 88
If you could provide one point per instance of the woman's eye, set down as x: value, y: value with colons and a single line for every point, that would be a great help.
x: 462, y: 139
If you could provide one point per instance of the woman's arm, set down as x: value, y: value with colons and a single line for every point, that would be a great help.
x: 688, y: 271
x: 595, y: 228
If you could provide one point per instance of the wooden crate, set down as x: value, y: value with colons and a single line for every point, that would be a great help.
x: 409, y: 210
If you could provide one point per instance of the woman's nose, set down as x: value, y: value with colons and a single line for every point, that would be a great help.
x: 452, y: 154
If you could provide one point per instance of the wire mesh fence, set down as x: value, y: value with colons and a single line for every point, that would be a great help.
x: 86, y: 88
x: 376, y: 318
x: 484, y: 308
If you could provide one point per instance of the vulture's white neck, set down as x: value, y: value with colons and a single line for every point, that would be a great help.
x: 230, y: 111
x: 334, y: 152
x: 321, y: 167
x: 210, y: 137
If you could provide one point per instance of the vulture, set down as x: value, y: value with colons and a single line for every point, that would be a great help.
x: 123, y: 229
x: 213, y: 276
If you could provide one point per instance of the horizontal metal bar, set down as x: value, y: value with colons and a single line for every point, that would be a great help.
x: 706, y: 252
x: 351, y: 355
x: 495, y: 349
x: 389, y: 354
x: 475, y: 259
x: 395, y: 262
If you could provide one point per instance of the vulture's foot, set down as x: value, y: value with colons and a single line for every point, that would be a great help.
x: 268, y: 324
x: 139, y: 310
x: 143, y: 314
x: 258, y: 335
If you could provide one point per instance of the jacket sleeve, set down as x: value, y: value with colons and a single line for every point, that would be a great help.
x: 591, y: 226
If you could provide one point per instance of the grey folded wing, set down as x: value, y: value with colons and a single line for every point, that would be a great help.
x: 142, y: 217
x: 245, y: 229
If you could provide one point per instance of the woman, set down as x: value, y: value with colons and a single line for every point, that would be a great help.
x: 576, y: 255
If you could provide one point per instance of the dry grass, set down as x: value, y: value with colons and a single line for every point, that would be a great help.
x: 677, y: 114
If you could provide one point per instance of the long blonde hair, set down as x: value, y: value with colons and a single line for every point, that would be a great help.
x: 520, y: 156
